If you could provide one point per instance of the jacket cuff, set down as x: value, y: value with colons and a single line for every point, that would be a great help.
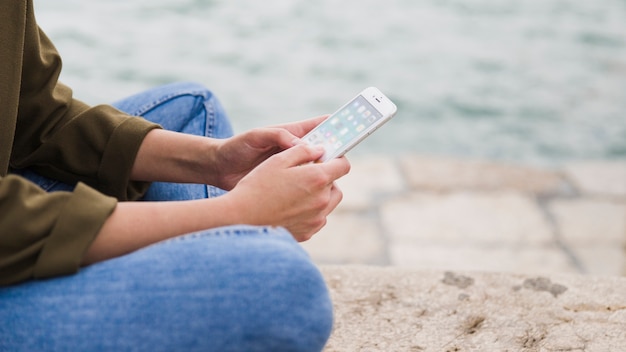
x: 120, y: 154
x: 76, y: 227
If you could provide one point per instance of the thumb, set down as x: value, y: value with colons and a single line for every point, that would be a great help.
x: 280, y: 137
x: 299, y: 155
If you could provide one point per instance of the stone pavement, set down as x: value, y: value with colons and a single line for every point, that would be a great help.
x: 393, y: 309
x: 461, y: 255
x: 424, y: 212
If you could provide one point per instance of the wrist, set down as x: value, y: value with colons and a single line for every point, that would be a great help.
x: 237, y: 208
x: 206, y: 161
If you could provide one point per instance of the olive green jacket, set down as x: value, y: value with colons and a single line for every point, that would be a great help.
x: 43, y: 127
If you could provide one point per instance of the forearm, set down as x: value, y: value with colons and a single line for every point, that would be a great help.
x: 175, y: 157
x: 134, y: 225
x: 286, y: 190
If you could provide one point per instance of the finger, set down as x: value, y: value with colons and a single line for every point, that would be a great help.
x: 335, y: 198
x: 272, y: 137
x: 285, y: 139
x: 336, y: 195
x: 336, y: 168
x: 299, y: 155
x: 301, y: 128
x: 318, y: 228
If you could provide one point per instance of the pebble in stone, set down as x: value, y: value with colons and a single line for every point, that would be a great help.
x: 459, y: 281
x: 544, y: 284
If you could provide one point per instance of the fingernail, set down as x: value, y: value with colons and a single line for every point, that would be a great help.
x: 296, y: 141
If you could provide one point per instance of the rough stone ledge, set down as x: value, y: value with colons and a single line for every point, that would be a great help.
x: 394, y: 309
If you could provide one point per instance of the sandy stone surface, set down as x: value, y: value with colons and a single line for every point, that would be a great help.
x: 392, y: 309
x: 477, y: 256
x: 438, y: 213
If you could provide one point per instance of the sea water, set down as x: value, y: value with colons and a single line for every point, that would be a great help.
x: 538, y: 81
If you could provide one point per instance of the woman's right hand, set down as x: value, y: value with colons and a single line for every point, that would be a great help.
x: 290, y: 190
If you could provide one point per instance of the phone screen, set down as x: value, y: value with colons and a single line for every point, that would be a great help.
x: 344, y: 126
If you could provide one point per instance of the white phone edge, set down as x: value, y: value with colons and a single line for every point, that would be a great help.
x: 381, y: 103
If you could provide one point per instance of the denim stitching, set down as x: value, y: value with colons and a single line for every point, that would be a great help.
x: 210, y: 117
x: 225, y: 232
x: 151, y: 105
x: 209, y: 111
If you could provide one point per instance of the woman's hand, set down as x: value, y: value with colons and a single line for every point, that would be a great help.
x: 273, y: 183
x: 235, y: 157
x: 176, y: 157
x: 289, y: 190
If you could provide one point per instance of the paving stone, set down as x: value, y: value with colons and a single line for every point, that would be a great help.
x: 348, y: 238
x: 448, y: 174
x: 446, y: 220
x: 595, y: 231
x: 601, y: 260
x: 602, y: 178
x: 369, y: 179
x: 528, y: 260
x: 588, y: 222
x: 394, y: 309
x: 476, y: 263
x: 465, y: 218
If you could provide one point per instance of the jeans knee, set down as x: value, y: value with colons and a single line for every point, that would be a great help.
x: 192, y: 88
x: 218, y: 124
x: 271, y: 296
x: 234, y: 289
x: 305, y: 313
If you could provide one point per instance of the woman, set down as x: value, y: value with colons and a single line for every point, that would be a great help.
x: 163, y: 266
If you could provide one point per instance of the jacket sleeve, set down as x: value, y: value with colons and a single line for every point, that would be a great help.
x: 63, y: 138
x: 46, y: 234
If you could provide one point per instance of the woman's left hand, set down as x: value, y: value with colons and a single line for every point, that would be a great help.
x: 235, y: 157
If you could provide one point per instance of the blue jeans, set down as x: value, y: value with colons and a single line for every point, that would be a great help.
x: 238, y: 288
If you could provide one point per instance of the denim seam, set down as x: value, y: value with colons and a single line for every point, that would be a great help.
x: 151, y: 105
x: 210, y: 117
x: 224, y: 233
x: 209, y: 109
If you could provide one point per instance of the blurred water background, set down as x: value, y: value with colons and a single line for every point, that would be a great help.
x: 532, y: 81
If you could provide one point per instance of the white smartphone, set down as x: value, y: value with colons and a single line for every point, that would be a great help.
x: 349, y: 125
